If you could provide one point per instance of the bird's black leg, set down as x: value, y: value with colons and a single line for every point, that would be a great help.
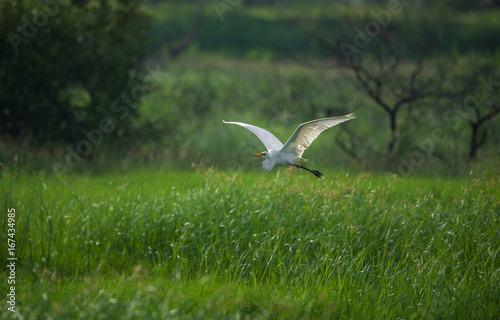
x: 315, y: 172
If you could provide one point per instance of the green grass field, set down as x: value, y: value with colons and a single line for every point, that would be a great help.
x: 167, y: 216
x: 203, y: 244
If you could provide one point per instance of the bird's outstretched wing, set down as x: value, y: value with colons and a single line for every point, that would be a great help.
x: 269, y: 140
x: 305, y: 133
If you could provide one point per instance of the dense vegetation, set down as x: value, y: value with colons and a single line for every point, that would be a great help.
x: 179, y: 123
x: 298, y: 31
x: 133, y: 200
x: 64, y: 64
x: 154, y: 244
x: 103, y: 96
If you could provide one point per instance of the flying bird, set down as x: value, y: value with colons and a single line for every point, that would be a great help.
x: 291, y: 152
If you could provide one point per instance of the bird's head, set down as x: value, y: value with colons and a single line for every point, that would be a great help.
x: 264, y: 154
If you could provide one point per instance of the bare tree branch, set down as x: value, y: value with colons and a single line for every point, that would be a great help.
x: 188, y: 39
x: 490, y: 115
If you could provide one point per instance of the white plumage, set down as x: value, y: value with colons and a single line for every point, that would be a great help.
x: 292, y: 150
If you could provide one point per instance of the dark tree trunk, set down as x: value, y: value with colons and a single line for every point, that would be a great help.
x: 473, y: 141
x: 477, y: 141
x: 392, y: 141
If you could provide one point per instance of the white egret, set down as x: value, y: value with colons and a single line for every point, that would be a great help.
x: 291, y: 152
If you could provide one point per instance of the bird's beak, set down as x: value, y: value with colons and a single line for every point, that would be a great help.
x: 257, y: 155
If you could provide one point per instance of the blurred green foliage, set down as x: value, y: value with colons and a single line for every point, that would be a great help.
x: 300, y: 29
x: 181, y: 121
x: 63, y: 63
x: 67, y: 65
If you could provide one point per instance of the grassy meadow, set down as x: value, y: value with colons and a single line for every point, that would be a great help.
x: 205, y: 243
x: 134, y: 201
x: 175, y: 220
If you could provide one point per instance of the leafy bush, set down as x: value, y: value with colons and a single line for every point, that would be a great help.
x: 63, y: 63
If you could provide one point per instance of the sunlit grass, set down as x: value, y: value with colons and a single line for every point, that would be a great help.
x: 213, y: 244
